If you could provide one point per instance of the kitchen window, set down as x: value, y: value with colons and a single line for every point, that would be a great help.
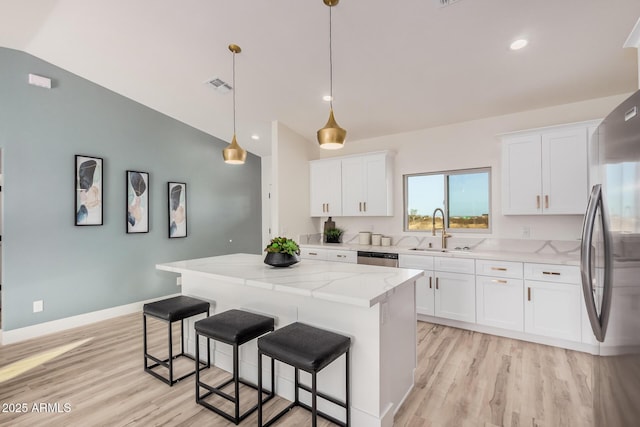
x: 463, y: 195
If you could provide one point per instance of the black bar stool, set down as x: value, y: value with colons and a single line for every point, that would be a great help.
x: 171, y: 310
x: 233, y: 327
x: 309, y: 349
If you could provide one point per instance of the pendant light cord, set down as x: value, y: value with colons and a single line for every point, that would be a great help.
x: 330, y: 61
x: 234, y: 93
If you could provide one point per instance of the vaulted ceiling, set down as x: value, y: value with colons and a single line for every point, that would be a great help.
x: 398, y: 66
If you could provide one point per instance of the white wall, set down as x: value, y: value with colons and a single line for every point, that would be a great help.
x: 470, y: 145
x: 290, y: 154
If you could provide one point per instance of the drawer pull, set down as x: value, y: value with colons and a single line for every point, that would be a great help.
x: 499, y: 268
x: 313, y: 253
x: 430, y: 280
x: 551, y: 273
x: 341, y: 256
x: 499, y: 281
x: 528, y: 294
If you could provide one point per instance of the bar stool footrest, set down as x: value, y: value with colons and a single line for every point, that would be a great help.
x: 217, y: 391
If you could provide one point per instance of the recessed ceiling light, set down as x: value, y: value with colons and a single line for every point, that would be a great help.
x: 518, y: 44
x: 255, y: 137
x: 327, y: 98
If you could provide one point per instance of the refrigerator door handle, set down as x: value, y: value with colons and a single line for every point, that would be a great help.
x: 598, y: 322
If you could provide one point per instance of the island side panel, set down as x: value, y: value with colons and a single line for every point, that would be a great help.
x: 363, y: 325
x: 398, y: 357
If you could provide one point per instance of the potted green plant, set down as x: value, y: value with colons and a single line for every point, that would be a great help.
x: 282, y: 252
x: 333, y: 235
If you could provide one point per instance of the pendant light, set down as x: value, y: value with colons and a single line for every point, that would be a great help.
x: 331, y: 136
x: 234, y: 154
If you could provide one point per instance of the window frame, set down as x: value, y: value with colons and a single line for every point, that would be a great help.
x: 446, y: 174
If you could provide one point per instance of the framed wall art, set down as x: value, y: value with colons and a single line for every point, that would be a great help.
x: 89, y: 191
x: 177, y: 209
x: 137, y: 202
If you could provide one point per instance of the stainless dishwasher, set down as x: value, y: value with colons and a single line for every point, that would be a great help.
x: 385, y: 259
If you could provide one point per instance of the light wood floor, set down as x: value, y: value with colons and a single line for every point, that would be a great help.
x: 463, y: 379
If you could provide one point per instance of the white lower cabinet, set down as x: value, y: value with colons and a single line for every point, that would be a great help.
x: 455, y: 296
x: 553, y: 310
x: 499, y: 302
x: 425, y: 296
x: 314, y: 253
x: 553, y: 301
x: 499, y: 290
x: 529, y: 298
x: 447, y: 292
x: 347, y: 256
x: 337, y: 255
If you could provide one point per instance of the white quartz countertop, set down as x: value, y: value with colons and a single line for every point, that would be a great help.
x: 354, y: 284
x: 571, y: 258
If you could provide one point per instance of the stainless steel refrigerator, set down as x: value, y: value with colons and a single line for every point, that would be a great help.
x: 610, y: 266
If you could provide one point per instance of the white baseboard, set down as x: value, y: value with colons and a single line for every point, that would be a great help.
x: 555, y: 342
x: 35, y: 331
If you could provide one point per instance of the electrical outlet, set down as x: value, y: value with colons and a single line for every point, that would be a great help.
x: 526, y: 232
x: 38, y: 306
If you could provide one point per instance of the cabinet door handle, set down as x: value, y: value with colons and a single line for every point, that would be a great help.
x: 551, y: 273
x: 313, y: 253
x: 498, y: 268
x: 546, y: 201
x: 327, y: 207
x: 538, y: 202
x: 430, y: 279
x: 341, y: 256
x: 365, y: 206
x: 437, y: 283
x: 359, y: 206
x: 499, y: 281
x: 528, y: 294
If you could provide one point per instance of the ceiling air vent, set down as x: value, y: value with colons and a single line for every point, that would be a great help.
x: 219, y: 85
x: 444, y: 3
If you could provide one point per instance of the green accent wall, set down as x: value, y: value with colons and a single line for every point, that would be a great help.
x: 77, y: 270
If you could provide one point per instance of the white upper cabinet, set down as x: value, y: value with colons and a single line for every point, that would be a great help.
x: 326, y: 187
x: 522, y: 175
x: 366, y: 185
x: 565, y: 171
x: 359, y: 185
x: 545, y: 171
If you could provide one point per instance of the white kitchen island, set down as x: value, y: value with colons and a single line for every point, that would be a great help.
x: 375, y: 306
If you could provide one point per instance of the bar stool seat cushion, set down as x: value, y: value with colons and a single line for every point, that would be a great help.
x: 234, y: 326
x: 177, y: 308
x: 304, y: 347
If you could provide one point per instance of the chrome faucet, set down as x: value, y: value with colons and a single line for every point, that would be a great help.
x: 433, y: 227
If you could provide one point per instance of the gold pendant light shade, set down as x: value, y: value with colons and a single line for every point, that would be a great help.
x: 234, y: 154
x: 331, y: 136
